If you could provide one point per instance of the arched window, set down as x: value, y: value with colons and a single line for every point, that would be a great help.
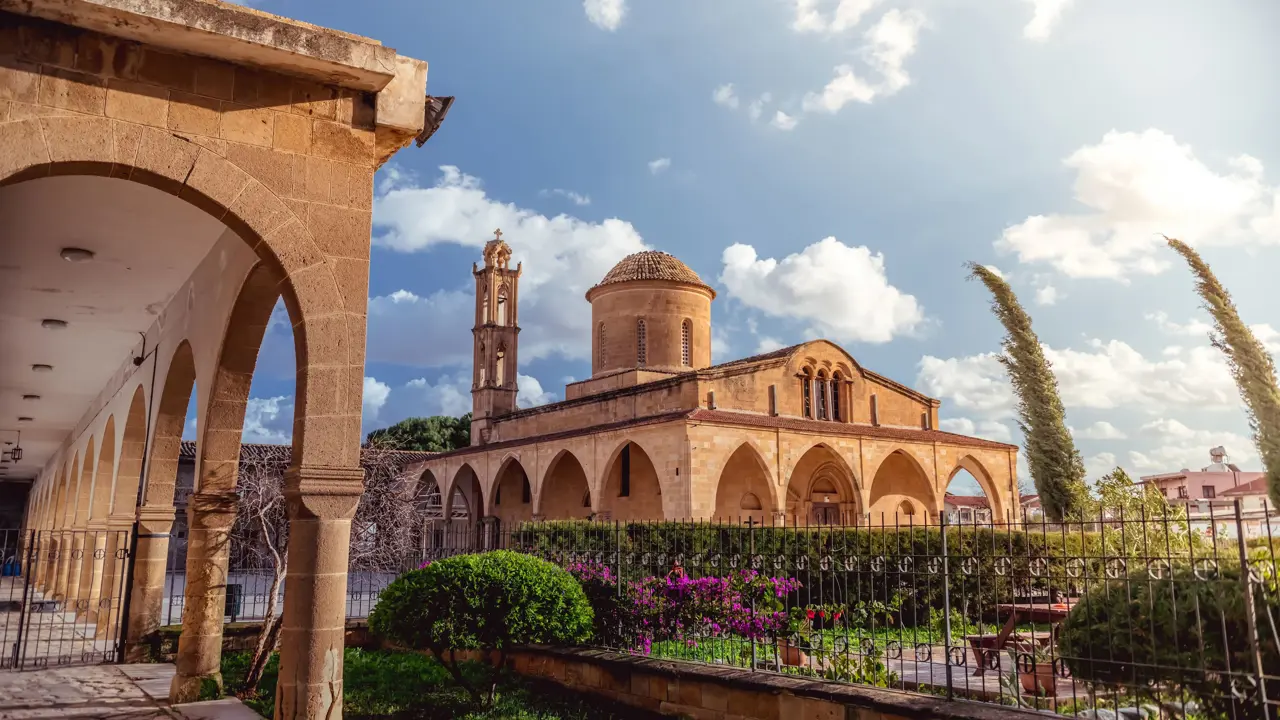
x: 686, y: 332
x: 602, y: 354
x: 502, y: 305
x: 500, y: 371
x: 482, y: 361
x: 642, y: 351
x: 806, y: 391
x: 484, y: 308
x: 586, y: 499
x: 836, y: 388
x: 907, y: 509
x: 750, y: 502
x: 822, y: 395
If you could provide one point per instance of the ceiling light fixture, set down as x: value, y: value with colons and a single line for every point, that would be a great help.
x: 41, y: 367
x: 53, y: 323
x: 24, y: 418
x: 76, y: 255
x: 30, y: 397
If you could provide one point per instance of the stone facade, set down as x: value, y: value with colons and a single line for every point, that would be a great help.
x: 274, y: 128
x: 801, y: 435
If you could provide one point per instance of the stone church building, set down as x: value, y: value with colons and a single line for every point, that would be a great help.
x: 801, y: 435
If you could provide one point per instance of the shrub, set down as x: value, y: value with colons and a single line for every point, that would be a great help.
x: 1183, y: 633
x: 490, y: 602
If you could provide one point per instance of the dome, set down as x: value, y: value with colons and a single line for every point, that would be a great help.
x: 652, y: 265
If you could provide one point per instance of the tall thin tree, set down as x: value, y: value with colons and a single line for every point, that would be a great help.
x: 1056, y: 467
x: 1251, y: 365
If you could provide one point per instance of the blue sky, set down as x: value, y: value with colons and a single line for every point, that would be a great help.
x: 829, y: 167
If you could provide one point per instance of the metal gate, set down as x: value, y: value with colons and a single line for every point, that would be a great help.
x: 62, y: 597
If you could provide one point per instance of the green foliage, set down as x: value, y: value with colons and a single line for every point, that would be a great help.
x: 1151, y: 524
x: 1056, y: 467
x: 1251, y: 365
x: 491, y: 602
x: 438, y: 433
x: 1183, y: 632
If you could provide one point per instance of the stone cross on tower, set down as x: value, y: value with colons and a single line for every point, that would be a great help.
x: 495, y: 335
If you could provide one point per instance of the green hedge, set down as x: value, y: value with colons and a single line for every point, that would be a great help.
x: 901, y: 568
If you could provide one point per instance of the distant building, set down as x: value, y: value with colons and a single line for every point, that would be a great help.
x: 1032, y: 510
x: 967, y: 509
x: 1210, y: 494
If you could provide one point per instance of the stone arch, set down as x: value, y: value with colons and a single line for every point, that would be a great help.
x: 84, y: 488
x: 326, y: 333
x: 822, y: 489
x: 562, y: 489
x: 124, y: 496
x: 630, y: 488
x: 63, y: 494
x: 512, y: 493
x: 223, y: 422
x: 974, y: 467
x: 899, y: 479
x: 744, y: 474
x: 166, y: 436
x: 465, y: 489
x: 104, y: 472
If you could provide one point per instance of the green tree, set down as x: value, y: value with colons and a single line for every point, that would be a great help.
x: 1152, y: 527
x: 1056, y: 467
x: 1251, y: 365
x: 438, y: 433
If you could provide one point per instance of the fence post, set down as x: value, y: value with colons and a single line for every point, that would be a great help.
x: 946, y: 602
x: 24, y: 609
x: 1250, y: 612
x: 617, y: 570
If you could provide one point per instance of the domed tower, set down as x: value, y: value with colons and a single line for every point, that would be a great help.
x: 650, y: 311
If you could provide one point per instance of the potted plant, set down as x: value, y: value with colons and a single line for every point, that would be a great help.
x: 790, y: 644
x: 1035, y: 670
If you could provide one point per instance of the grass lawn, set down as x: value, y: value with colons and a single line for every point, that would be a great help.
x: 384, y: 684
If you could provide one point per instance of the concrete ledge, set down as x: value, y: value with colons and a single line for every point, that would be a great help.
x: 708, y: 692
x: 233, y: 33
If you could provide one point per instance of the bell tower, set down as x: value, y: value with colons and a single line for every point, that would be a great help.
x: 495, y: 335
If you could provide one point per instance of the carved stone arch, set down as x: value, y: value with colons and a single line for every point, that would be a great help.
x: 104, y: 472
x: 65, y: 508
x: 84, y: 490
x: 974, y: 467
x: 327, y: 334
x: 645, y: 490
x: 900, y: 477
x: 166, y: 433
x: 464, y: 486
x: 745, y: 487
x: 133, y: 441
x: 564, y: 484
x: 508, y: 488
x: 822, y: 463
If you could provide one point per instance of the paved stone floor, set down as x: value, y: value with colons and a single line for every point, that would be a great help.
x: 114, y: 692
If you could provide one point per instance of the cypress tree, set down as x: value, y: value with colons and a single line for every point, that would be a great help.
x: 1251, y: 365
x: 1056, y: 467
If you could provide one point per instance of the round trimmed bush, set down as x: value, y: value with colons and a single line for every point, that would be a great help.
x: 489, y: 601
x: 1180, y: 633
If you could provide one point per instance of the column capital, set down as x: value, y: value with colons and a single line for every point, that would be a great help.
x: 96, y: 525
x: 323, y: 492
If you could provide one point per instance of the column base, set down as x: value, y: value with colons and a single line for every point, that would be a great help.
x: 186, y: 689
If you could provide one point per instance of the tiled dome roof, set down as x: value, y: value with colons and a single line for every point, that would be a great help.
x: 651, y: 265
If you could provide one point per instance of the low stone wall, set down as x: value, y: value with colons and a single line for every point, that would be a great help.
x: 707, y: 692
x: 162, y: 645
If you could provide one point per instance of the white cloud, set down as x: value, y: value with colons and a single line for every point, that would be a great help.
x: 189, y: 429
x: 1177, y: 446
x: 989, y: 429
x: 725, y: 96
x: 1095, y: 466
x: 756, y: 108
x: 1102, y: 430
x: 605, y: 14
x: 1138, y: 186
x: 841, y: 291
x: 571, y: 196
x: 1046, y: 295
x: 995, y: 271
x: 563, y: 257
x: 974, y: 383
x: 1264, y: 332
x: 529, y: 392
x: 888, y: 44
x: 268, y: 420
x: 375, y: 396
x: 847, y: 15
x: 659, y: 165
x: 783, y: 121
x: 768, y: 344
x: 721, y: 347
x: 1046, y: 14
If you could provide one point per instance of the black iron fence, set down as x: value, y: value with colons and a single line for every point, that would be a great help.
x: 1138, y: 615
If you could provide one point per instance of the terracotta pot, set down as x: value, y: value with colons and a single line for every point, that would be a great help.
x: 1040, y: 682
x: 791, y: 655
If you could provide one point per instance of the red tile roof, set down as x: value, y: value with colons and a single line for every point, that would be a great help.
x: 979, y: 501
x: 651, y: 265
x: 1253, y: 487
x: 835, y: 428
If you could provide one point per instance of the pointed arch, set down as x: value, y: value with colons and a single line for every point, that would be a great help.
x: 166, y: 435
x: 104, y: 472
x: 744, y: 489
x: 465, y: 489
x: 974, y: 467
x: 84, y: 489
x: 503, y: 310
x: 630, y: 488
x: 824, y: 488
x: 900, y: 478
x: 512, y: 495
x: 562, y: 489
x: 125, y: 494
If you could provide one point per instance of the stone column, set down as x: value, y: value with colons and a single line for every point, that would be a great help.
x: 95, y: 557
x: 321, y: 503
x: 146, y: 602
x: 489, y: 532
x: 779, y: 518
x: 209, y: 519
x: 75, y: 570
x: 115, y: 574
x: 62, y: 576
